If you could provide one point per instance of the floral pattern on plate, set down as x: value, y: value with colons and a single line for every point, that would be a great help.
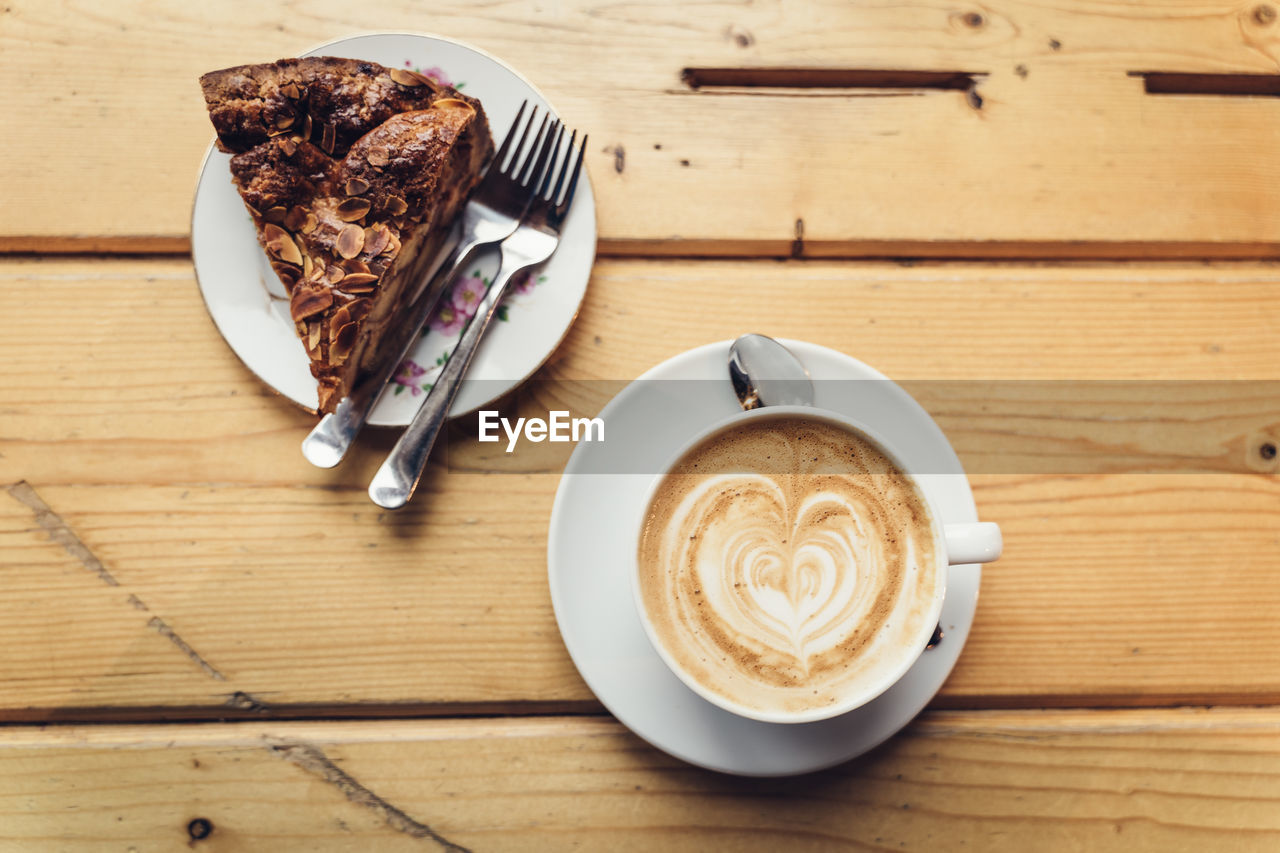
x: 435, y: 73
x: 456, y: 309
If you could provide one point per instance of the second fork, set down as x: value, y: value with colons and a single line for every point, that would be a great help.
x: 531, y: 244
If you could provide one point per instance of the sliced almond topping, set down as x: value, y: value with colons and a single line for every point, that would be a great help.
x: 291, y: 91
x: 310, y: 224
x: 287, y: 272
x: 358, y: 278
x: 289, y: 252
x: 353, y: 209
x: 452, y: 104
x: 294, y: 218
x: 350, y: 241
x: 285, y: 122
x: 396, y: 205
x: 406, y: 78
x: 289, y: 145
x: 275, y: 214
x: 286, y: 250
x: 353, y: 265
x: 328, y: 138
x: 313, y: 334
x: 334, y: 273
x: 307, y: 302
x: 306, y: 126
x: 280, y: 244
x: 340, y: 318
x: 328, y: 393
x: 393, y: 247
x: 377, y: 155
x: 376, y: 239
x: 356, y: 186
x: 307, y: 266
x: 340, y: 344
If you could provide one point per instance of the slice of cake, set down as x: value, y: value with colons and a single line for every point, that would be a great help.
x: 353, y: 174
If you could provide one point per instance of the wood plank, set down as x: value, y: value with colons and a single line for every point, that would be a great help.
x: 1115, y: 590
x: 1101, y: 780
x: 244, y: 581
x: 1057, y: 152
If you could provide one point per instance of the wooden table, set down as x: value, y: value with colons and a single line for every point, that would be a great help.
x: 206, y: 641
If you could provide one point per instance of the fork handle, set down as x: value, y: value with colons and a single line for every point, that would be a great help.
x: 396, y: 480
x: 330, y: 439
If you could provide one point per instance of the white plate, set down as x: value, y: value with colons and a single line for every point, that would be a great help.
x: 588, y: 563
x: 235, y: 278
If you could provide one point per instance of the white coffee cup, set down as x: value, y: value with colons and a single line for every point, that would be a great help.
x: 954, y: 544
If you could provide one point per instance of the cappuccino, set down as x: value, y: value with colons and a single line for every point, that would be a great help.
x: 786, y: 565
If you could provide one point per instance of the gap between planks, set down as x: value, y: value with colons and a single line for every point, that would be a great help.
x: 794, y: 247
x: 1027, y: 723
x: 245, y: 707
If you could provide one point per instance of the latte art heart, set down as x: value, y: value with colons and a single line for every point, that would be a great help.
x: 779, y: 574
x: 782, y: 561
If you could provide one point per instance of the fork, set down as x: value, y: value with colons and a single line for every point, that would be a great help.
x: 531, y: 244
x: 491, y: 215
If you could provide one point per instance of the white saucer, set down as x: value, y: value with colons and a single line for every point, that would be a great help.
x: 588, y: 564
x: 234, y: 276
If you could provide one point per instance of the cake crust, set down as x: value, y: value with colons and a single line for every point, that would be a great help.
x: 249, y: 104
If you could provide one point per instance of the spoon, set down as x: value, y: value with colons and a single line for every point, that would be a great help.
x: 765, y: 373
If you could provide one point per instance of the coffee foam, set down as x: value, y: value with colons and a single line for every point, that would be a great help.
x: 785, y: 563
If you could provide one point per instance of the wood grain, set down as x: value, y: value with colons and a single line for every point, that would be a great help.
x: 1109, y: 780
x: 244, y: 582
x: 397, y: 681
x: 1057, y: 152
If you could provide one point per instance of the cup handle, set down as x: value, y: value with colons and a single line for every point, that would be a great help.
x: 979, y: 542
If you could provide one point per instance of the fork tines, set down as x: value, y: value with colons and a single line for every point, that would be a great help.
x: 543, y: 162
